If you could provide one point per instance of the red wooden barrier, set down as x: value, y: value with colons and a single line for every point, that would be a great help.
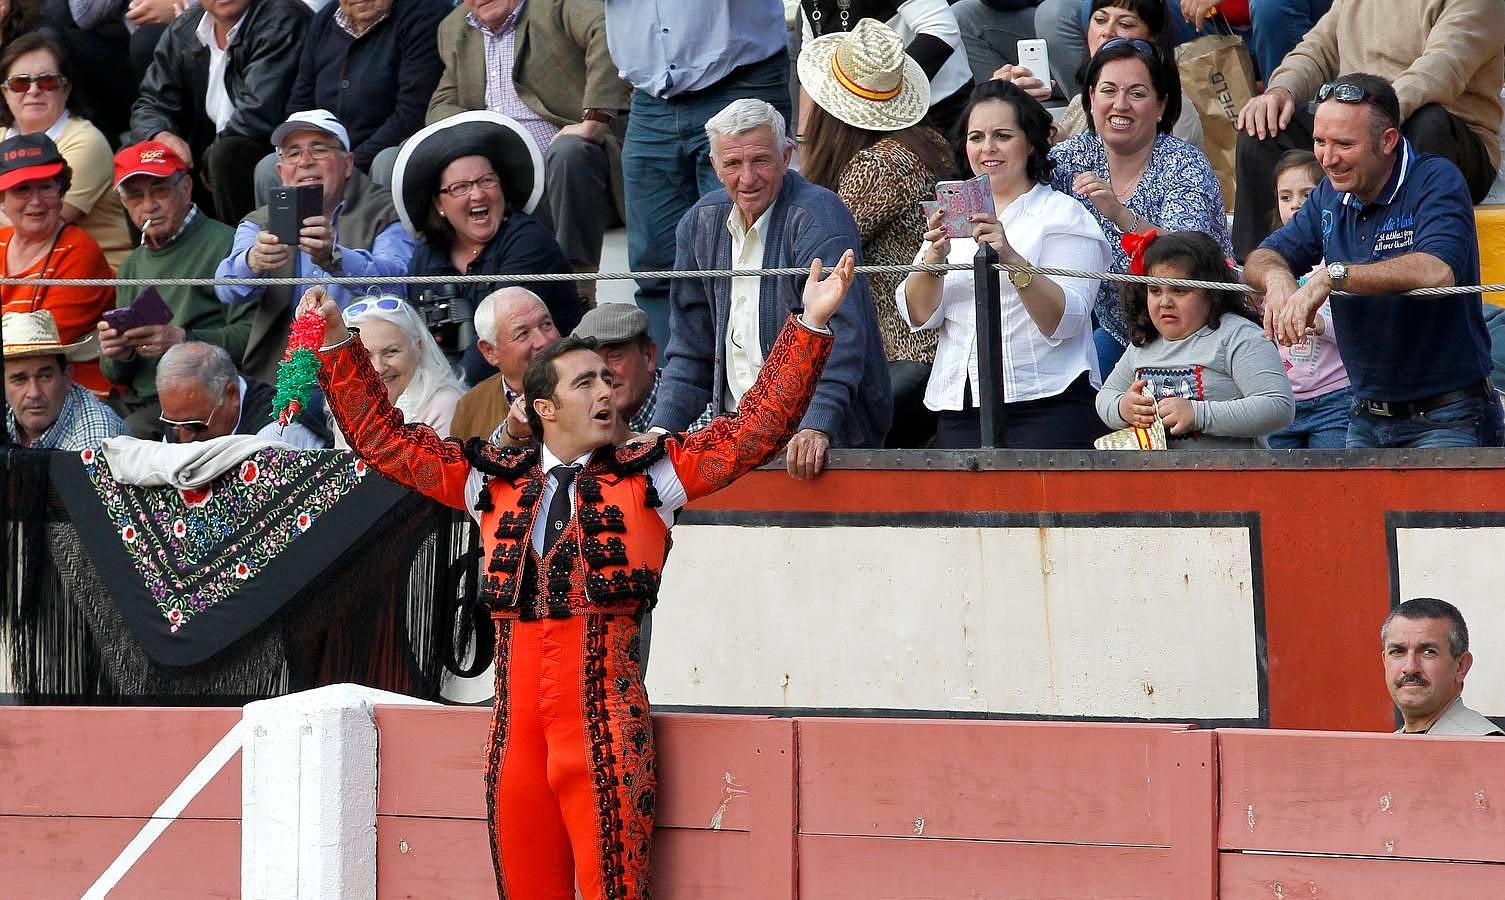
x: 725, y: 826
x: 1391, y: 803
x: 77, y: 785
x: 821, y: 808
x: 911, y: 808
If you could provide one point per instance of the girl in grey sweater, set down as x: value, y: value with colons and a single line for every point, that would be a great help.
x: 1199, y: 357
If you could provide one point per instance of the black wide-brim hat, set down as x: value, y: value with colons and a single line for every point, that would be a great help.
x: 504, y: 141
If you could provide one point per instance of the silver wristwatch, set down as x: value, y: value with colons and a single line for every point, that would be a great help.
x: 1337, y: 273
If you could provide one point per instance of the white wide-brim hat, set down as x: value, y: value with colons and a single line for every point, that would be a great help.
x: 864, y: 78
x: 36, y: 334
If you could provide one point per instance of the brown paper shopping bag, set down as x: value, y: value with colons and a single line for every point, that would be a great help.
x: 1217, y: 75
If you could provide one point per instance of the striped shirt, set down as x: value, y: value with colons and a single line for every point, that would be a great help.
x: 501, y: 92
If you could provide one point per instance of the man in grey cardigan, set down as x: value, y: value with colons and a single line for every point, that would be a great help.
x: 720, y: 329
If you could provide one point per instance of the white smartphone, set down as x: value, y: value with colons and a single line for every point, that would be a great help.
x: 1035, y: 56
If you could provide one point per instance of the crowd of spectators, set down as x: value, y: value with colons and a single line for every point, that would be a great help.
x: 152, y: 138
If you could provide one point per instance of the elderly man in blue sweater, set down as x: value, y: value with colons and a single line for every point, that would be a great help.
x: 721, y: 329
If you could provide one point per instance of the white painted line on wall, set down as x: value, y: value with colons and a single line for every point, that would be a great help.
x: 168, y: 812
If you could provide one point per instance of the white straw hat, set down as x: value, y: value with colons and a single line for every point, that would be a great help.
x: 864, y: 78
x: 35, y: 334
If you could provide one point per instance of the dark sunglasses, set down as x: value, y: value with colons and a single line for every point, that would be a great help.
x: 1139, y: 44
x: 194, y: 427
x: 20, y: 84
x: 1341, y: 91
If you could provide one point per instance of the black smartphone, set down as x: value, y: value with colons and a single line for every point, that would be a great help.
x: 289, y: 206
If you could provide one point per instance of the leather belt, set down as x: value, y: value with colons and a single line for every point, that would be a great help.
x: 1404, y: 409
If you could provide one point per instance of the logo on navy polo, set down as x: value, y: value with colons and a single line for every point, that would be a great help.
x: 1396, y: 235
x: 1327, y: 224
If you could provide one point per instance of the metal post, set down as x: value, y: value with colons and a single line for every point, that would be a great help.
x: 990, y: 397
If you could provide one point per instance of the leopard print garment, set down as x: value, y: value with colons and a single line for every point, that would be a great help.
x: 883, y: 186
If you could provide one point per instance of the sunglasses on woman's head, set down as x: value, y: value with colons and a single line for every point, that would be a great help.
x: 20, y: 84
x: 1139, y: 44
x: 361, y: 307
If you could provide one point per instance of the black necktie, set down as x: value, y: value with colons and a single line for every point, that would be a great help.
x: 559, y: 506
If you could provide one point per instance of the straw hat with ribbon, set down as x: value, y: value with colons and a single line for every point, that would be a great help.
x: 36, y: 334
x: 864, y: 78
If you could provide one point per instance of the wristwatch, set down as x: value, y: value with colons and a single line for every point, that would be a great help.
x: 1021, y: 280
x: 604, y: 116
x: 1337, y: 273
x: 336, y: 263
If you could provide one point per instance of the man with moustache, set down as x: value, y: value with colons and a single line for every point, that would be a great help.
x: 1425, y: 647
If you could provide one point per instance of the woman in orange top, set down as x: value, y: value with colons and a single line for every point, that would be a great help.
x: 33, y: 179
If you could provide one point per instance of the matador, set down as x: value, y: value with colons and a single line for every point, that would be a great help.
x: 574, y: 533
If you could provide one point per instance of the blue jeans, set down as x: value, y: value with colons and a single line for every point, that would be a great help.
x: 1321, y: 423
x: 666, y: 166
x: 1109, y: 351
x: 1279, y: 25
x: 1474, y: 422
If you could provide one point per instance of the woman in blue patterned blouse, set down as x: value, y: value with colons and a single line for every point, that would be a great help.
x: 1130, y: 172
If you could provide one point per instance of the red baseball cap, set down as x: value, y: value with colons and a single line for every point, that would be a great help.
x: 152, y: 158
x: 28, y: 157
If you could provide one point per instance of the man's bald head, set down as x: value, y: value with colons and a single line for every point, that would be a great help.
x: 512, y: 324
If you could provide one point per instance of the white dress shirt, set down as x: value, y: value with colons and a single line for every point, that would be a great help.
x: 744, y: 347
x: 671, y: 491
x: 217, y: 103
x: 1048, y: 229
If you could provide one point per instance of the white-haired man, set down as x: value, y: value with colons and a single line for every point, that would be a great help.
x: 511, y: 325
x: 722, y: 329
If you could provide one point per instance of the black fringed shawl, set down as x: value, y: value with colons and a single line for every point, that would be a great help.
x: 296, y: 570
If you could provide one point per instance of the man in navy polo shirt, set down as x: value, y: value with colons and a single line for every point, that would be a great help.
x: 1386, y: 220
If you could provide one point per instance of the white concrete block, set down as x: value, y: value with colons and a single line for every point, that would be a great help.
x: 308, y: 794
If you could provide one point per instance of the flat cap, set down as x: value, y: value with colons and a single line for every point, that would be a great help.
x: 613, y: 323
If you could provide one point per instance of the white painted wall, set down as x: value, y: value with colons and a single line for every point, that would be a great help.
x: 1116, y: 622
x: 1465, y: 567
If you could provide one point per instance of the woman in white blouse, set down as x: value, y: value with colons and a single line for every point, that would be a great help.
x: 1050, y: 376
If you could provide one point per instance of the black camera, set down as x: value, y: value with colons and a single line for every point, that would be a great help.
x: 447, y: 315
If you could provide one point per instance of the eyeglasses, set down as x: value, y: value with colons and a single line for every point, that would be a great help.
x: 1139, y: 44
x: 1342, y: 91
x: 361, y: 307
x: 47, y: 190
x: 161, y: 189
x: 194, y: 427
x: 312, y: 151
x: 49, y: 81
x: 463, y: 188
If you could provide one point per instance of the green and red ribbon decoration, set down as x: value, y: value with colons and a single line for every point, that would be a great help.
x: 298, y: 374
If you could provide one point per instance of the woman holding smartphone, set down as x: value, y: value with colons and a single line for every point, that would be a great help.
x: 1049, y: 364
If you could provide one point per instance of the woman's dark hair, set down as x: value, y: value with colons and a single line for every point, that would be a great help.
x: 541, y: 378
x: 1165, y: 78
x: 829, y: 144
x: 1034, y: 122
x: 1150, y: 12
x: 24, y: 15
x: 27, y: 43
x: 1200, y: 257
